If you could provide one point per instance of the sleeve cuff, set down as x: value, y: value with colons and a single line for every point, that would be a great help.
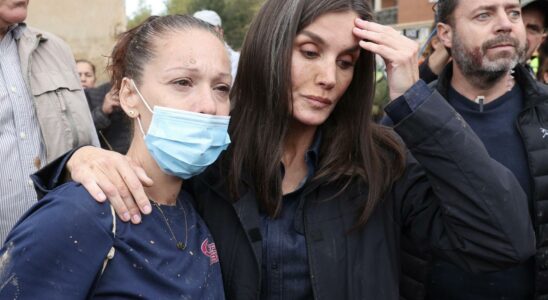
x: 52, y: 175
x: 406, y: 104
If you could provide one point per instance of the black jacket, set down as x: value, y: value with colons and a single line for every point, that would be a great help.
x: 532, y: 122
x: 459, y: 210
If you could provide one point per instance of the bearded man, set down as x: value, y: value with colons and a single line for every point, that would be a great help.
x: 487, y: 40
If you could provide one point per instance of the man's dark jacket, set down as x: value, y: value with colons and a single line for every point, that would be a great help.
x: 533, y: 127
x: 466, y: 215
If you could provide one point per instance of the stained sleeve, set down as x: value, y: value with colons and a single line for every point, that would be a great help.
x: 57, y: 249
x: 455, y: 198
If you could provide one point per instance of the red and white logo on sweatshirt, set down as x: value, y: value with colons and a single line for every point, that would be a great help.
x: 209, y: 250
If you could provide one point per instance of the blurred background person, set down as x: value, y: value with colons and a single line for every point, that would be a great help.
x: 214, y: 19
x: 543, y: 72
x: 112, y: 124
x: 382, y: 93
x: 434, y: 58
x: 86, y: 72
x: 542, y: 75
x: 535, y: 18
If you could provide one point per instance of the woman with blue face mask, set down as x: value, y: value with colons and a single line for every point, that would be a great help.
x: 312, y: 199
x: 172, y: 75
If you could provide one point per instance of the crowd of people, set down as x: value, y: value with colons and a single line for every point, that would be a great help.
x: 199, y: 172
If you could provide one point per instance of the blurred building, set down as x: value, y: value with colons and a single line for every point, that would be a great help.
x: 89, y: 27
x: 412, y: 17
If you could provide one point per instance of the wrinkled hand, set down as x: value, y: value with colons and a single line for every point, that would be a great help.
x: 399, y: 54
x: 110, y: 175
x: 110, y: 102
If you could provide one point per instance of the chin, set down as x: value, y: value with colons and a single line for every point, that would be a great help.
x: 311, y: 120
x: 18, y: 16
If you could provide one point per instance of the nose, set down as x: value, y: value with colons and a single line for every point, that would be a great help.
x: 206, y: 102
x: 82, y: 78
x: 327, y: 74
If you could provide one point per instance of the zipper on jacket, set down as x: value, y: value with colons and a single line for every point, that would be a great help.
x: 531, y: 179
x: 480, y: 100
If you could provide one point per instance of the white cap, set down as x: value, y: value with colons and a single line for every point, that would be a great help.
x: 208, y: 16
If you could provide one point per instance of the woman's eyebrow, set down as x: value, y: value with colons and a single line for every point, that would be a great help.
x: 316, y: 38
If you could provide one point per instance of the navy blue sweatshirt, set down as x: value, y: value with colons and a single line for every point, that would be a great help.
x: 57, y: 249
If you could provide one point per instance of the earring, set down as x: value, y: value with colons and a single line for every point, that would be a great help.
x: 131, y: 113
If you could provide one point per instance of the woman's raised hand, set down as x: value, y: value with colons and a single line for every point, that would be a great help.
x: 398, y: 52
x: 110, y: 175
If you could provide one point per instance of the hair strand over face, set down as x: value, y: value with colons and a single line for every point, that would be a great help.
x: 353, y: 147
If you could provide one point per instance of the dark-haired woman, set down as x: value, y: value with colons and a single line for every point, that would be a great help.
x: 312, y: 198
x: 170, y: 72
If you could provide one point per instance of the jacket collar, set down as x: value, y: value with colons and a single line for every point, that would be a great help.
x: 17, y: 30
x: 530, y: 87
x: 24, y: 32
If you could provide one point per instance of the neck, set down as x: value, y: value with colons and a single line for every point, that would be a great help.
x: 166, y: 188
x: 489, y: 85
x: 297, y: 141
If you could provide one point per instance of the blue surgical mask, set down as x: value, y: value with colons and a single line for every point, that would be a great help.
x: 184, y: 143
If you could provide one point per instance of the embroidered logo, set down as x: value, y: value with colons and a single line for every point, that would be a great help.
x: 544, y: 132
x: 209, y: 250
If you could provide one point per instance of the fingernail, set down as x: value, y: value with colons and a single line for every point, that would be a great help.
x: 136, y: 219
x: 147, y: 209
x: 125, y: 216
x: 102, y: 196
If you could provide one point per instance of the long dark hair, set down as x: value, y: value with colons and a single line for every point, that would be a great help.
x: 353, y: 147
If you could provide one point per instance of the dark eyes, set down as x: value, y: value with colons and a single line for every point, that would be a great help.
x: 344, y: 64
x: 183, y: 82
x: 186, y: 83
x: 309, y: 54
x: 223, y: 88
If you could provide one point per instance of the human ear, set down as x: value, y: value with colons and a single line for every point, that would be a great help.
x: 129, y: 99
x: 445, y: 34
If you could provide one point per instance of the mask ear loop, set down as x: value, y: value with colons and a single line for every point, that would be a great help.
x: 141, y: 96
x: 146, y: 104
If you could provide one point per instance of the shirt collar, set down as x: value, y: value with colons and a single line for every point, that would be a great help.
x: 312, y: 154
x: 310, y: 157
x: 17, y: 30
